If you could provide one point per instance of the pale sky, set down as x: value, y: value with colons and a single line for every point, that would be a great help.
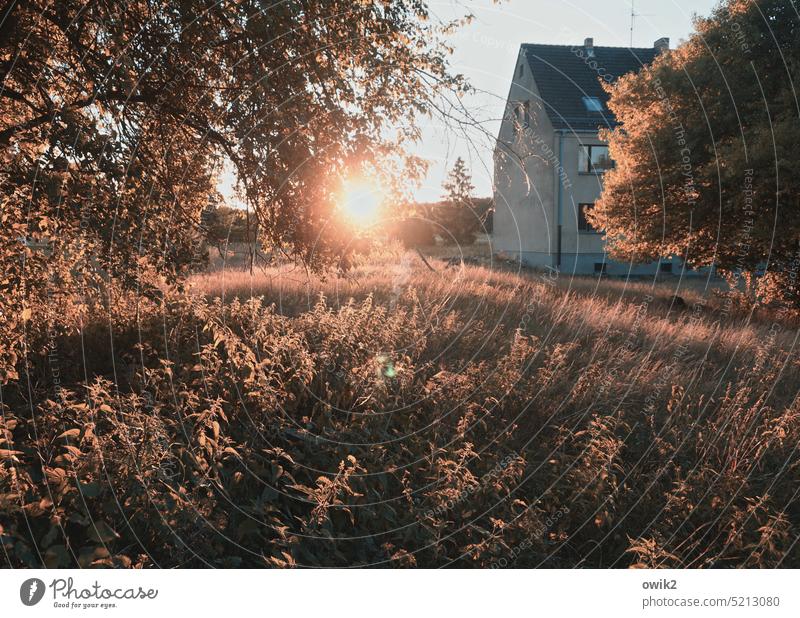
x: 486, y: 50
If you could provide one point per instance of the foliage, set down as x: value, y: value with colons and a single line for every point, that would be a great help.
x: 419, y: 224
x: 594, y: 431
x: 116, y: 117
x: 458, y: 185
x: 229, y: 225
x: 706, y: 148
x: 414, y: 227
x: 456, y: 215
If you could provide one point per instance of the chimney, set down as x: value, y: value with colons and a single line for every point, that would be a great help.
x: 662, y: 44
x: 588, y: 43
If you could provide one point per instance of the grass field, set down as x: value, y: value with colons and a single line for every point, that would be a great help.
x: 398, y: 416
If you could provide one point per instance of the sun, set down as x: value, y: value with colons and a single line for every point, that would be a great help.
x: 361, y: 201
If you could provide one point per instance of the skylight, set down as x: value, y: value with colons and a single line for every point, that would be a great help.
x: 593, y: 104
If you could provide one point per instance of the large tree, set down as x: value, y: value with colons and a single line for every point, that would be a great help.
x: 706, y: 153
x: 115, y: 118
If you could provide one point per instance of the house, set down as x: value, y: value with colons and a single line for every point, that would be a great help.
x: 549, y: 161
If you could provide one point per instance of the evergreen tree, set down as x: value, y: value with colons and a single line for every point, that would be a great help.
x: 457, y: 214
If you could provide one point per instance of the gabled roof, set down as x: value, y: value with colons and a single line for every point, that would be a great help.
x: 565, y: 75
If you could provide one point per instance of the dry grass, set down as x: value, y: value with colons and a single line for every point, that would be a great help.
x: 588, y: 306
x: 398, y: 416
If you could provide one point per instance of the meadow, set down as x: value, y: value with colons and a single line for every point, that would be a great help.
x: 398, y: 416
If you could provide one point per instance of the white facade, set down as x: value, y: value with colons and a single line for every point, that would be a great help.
x: 540, y: 181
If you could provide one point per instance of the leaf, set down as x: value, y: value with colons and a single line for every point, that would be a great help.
x: 55, y: 475
x: 57, y: 557
x: 73, y: 450
x: 90, y: 490
x: 89, y: 555
x: 70, y: 433
x: 101, y: 532
x: 247, y: 528
x: 24, y: 553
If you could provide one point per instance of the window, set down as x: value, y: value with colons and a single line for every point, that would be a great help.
x: 521, y: 70
x: 594, y: 159
x: 665, y: 267
x: 522, y: 116
x: 593, y: 104
x: 600, y: 267
x: 583, y: 223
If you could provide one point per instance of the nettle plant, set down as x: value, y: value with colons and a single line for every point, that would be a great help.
x: 233, y: 435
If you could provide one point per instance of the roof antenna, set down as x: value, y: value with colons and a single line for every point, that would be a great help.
x: 634, y: 15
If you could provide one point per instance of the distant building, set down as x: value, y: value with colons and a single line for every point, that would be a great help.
x: 549, y: 161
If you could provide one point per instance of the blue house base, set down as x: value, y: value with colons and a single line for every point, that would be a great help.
x: 598, y: 263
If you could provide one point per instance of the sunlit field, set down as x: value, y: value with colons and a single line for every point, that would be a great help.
x: 398, y: 416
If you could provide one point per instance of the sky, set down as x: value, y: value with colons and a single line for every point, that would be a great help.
x: 486, y: 50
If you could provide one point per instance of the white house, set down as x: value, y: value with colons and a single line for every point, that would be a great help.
x: 549, y: 161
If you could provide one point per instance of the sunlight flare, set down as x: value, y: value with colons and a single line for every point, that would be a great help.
x: 361, y: 201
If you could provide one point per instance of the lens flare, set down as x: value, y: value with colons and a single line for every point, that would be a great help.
x: 361, y: 201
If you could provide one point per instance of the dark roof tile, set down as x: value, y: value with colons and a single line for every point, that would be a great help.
x: 564, y: 75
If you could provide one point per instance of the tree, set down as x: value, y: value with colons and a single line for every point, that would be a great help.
x: 706, y: 151
x: 114, y: 118
x: 458, y: 185
x: 414, y: 228
x: 457, y: 214
x: 229, y: 225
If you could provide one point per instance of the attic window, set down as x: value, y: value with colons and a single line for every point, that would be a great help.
x: 521, y: 70
x: 522, y: 116
x: 593, y: 104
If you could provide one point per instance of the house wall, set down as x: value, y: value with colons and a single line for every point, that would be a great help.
x: 580, y: 250
x: 523, y: 177
x: 527, y: 174
x: 580, y: 188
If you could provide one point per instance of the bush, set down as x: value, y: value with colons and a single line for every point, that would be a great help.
x: 383, y: 431
x: 413, y: 232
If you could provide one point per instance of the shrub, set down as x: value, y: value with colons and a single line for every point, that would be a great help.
x: 388, y: 430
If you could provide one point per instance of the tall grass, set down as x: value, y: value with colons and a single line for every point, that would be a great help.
x: 401, y: 417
